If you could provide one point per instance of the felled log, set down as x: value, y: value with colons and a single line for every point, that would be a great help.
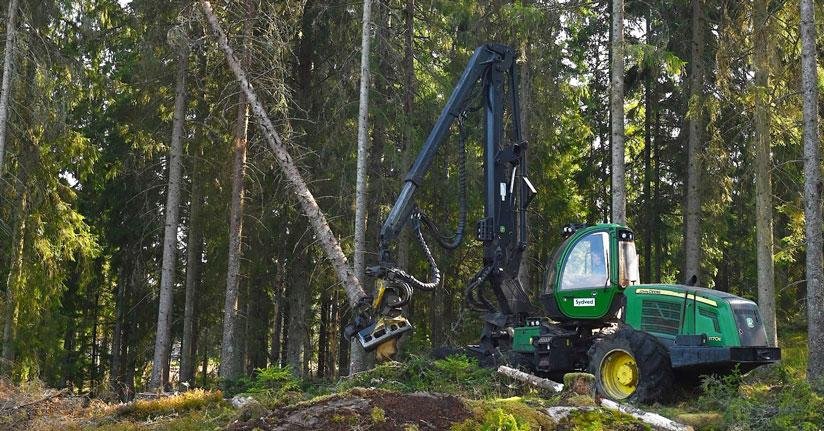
x: 530, y: 379
x: 653, y: 419
x: 559, y: 413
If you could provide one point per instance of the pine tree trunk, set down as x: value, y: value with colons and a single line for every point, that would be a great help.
x: 164, y: 314
x: 812, y: 198
x: 309, y: 206
x: 257, y: 324
x: 649, y: 83
x: 323, y: 335
x: 298, y: 307
x: 123, y: 382
x: 229, y: 356
x: 619, y: 197
x: 657, y: 235
x: 333, y: 338
x: 763, y: 181
x: 204, y: 361
x: 524, y: 272
x: 8, y: 65
x: 692, y: 219
x: 408, y: 99
x: 277, y: 321
x: 343, y: 345
x: 95, y: 351
x: 194, y: 255
x: 115, y: 368
x: 359, y: 359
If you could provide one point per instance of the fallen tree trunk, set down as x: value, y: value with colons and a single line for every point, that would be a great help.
x: 309, y: 206
x: 653, y: 419
x: 531, y: 379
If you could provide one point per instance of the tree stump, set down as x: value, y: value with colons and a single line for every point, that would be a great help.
x: 579, y: 384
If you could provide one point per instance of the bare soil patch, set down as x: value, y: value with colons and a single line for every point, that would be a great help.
x: 376, y: 409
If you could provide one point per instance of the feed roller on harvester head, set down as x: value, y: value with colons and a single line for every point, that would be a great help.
x: 596, y: 316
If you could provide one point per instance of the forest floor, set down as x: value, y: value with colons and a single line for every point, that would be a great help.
x: 424, y: 394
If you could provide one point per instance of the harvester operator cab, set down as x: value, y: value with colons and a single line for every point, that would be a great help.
x: 588, y: 272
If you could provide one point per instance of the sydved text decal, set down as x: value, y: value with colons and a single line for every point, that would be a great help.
x: 584, y: 302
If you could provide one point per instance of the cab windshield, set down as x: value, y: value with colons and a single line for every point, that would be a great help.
x: 587, y: 264
x: 627, y: 263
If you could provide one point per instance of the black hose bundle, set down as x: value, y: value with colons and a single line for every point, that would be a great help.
x: 451, y: 243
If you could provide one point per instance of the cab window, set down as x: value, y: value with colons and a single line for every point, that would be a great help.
x: 586, y: 265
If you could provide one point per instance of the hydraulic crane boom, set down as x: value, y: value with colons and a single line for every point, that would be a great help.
x: 503, y: 230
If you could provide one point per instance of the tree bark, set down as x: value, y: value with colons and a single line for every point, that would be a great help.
x: 323, y: 335
x: 277, y: 321
x: 164, y: 314
x: 812, y: 198
x: 649, y: 82
x: 116, y: 368
x: 408, y: 100
x: 654, y: 419
x: 405, y: 147
x: 359, y: 359
x: 763, y: 177
x: 229, y: 356
x: 524, y: 272
x: 298, y: 306
x: 530, y: 378
x: 619, y: 194
x: 257, y: 322
x: 309, y: 206
x: 8, y: 65
x: 692, y: 236
x: 204, y: 362
x: 194, y: 255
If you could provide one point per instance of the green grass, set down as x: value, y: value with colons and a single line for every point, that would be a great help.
x: 794, y: 353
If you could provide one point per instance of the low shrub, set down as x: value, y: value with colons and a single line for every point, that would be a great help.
x: 775, y: 397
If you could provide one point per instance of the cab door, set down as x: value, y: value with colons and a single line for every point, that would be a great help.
x: 585, y: 288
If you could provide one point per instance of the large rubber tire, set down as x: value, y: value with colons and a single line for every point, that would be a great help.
x: 654, y: 370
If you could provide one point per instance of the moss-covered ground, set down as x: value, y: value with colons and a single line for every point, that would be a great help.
x: 420, y: 393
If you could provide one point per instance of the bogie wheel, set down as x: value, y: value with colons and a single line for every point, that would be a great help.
x: 631, y: 365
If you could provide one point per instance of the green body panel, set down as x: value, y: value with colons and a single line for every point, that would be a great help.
x: 669, y: 310
x: 595, y: 302
x: 523, y: 336
x: 699, y: 327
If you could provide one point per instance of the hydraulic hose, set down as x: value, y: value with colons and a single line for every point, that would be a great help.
x: 451, y: 243
x: 435, y: 273
x: 472, y: 294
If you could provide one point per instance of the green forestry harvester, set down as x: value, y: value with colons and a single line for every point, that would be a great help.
x: 596, y: 316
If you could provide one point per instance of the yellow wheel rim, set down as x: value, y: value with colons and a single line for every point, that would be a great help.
x: 619, y: 374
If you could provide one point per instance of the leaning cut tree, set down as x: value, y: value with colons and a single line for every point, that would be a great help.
x: 308, y: 205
